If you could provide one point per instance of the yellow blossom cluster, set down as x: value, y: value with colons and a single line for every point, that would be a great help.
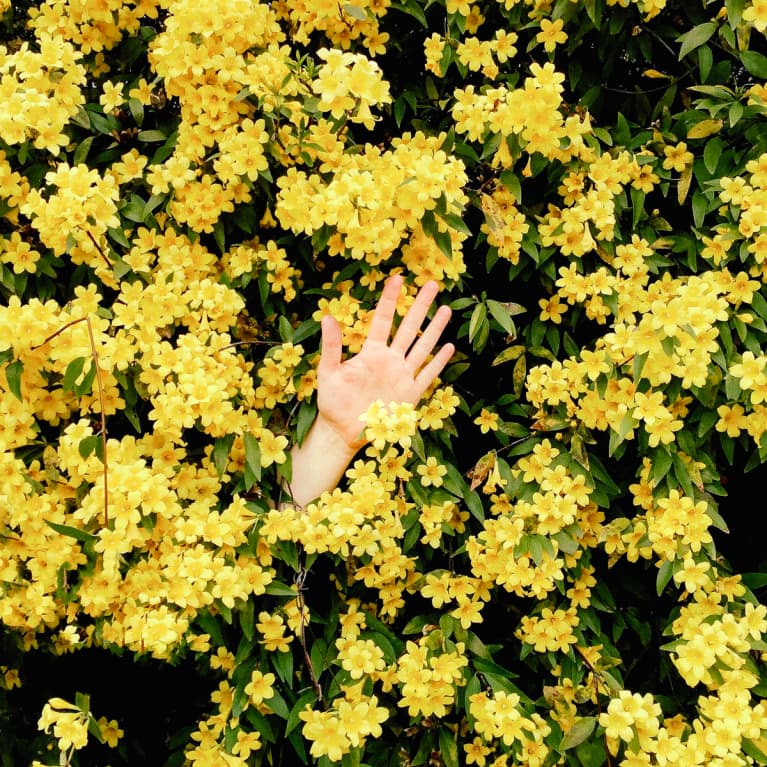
x: 351, y: 720
x: 675, y: 336
x: 505, y: 225
x: 375, y: 203
x: 428, y: 678
x: 248, y: 258
x: 41, y: 91
x: 532, y: 113
x: 348, y: 84
x: 364, y: 521
x: 502, y: 717
x: 473, y: 53
x: 517, y: 548
x: 341, y: 26
x: 92, y: 27
x: 551, y: 631
x: 74, y: 217
x: 69, y: 723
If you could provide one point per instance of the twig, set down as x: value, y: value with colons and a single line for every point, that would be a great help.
x: 98, y: 248
x: 58, y: 332
x: 595, y: 676
x: 100, y: 385
x: 103, y: 420
x: 299, y: 581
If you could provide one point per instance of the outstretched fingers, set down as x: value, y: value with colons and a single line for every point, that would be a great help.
x: 424, y: 346
x: 412, y: 321
x: 330, y: 358
x: 433, y: 368
x: 383, y: 316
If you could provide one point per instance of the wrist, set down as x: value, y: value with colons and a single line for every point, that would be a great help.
x: 336, y: 438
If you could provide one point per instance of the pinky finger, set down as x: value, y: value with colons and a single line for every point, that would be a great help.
x: 433, y: 368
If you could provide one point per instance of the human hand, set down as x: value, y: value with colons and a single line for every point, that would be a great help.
x: 391, y: 372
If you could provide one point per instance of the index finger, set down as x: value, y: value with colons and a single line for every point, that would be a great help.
x: 380, y: 326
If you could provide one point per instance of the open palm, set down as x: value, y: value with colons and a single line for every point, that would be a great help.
x: 399, y: 371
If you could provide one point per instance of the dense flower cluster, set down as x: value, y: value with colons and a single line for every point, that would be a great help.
x: 187, y: 188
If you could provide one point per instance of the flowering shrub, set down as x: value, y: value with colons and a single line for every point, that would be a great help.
x: 527, y: 567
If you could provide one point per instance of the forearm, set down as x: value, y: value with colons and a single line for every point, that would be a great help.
x: 319, y: 462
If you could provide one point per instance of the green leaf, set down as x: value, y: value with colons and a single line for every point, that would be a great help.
x: 594, y: 10
x: 277, y: 589
x: 82, y: 150
x: 511, y: 181
x: 72, y: 373
x: 306, y: 415
x: 696, y: 37
x: 104, y: 124
x: 755, y: 63
x: 509, y: 354
x: 754, y: 581
x: 444, y: 242
x: 717, y: 519
x: 252, y: 461
x: 247, y: 617
x: 711, y: 154
x: 699, y: 208
x: 478, y: 317
x: 752, y: 750
x: 71, y: 532
x: 305, y: 700
x: 221, y: 448
x: 735, y: 112
x: 665, y: 572
x: 282, y: 662
x: 88, y: 445
x: 137, y: 111
x: 355, y: 12
x: 13, y: 373
x: 581, y: 729
x: 415, y: 625
x: 705, y: 62
x: 86, y: 385
x: 502, y: 316
x: 455, y: 222
x: 704, y: 128
x: 661, y: 463
x: 151, y: 136
x: 413, y: 8
x: 735, y: 12
x: 448, y: 747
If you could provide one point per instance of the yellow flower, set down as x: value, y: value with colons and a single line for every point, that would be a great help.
x: 110, y: 731
x: 112, y: 96
x: 487, y: 421
x: 551, y: 34
x: 327, y: 736
x: 677, y: 157
x: 732, y: 419
x: 260, y: 687
x: 272, y: 627
x: 431, y: 472
x: 552, y: 309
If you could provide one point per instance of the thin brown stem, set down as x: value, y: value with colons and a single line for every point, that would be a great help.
x: 300, y: 578
x: 98, y: 248
x: 595, y: 676
x: 58, y: 332
x: 100, y: 385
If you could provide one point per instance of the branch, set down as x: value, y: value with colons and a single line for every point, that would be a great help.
x: 98, y: 248
x: 299, y: 581
x: 100, y: 385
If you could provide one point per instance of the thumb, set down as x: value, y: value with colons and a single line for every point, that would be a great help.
x: 330, y: 357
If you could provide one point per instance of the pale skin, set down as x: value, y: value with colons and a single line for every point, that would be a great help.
x: 396, y: 371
